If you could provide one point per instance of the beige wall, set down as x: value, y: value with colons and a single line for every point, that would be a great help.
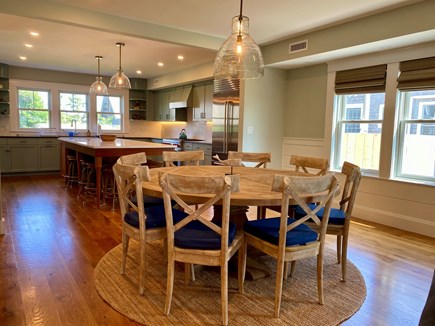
x: 304, y: 115
x: 263, y: 105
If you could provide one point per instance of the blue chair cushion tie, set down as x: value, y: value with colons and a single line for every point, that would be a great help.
x: 268, y: 229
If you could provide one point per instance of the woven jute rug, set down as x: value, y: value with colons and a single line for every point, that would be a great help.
x: 199, y: 302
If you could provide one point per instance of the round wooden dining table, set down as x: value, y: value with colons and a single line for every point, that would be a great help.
x: 255, y: 184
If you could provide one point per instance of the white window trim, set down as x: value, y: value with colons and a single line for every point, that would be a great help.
x: 55, y: 89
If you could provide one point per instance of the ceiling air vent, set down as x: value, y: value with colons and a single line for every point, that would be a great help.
x: 298, y: 47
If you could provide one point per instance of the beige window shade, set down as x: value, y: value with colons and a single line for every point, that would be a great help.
x: 361, y: 80
x: 417, y: 74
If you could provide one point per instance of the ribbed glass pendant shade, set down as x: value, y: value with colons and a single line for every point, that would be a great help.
x: 119, y: 79
x: 239, y: 56
x: 98, y: 87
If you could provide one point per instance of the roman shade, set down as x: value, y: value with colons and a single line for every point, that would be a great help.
x: 417, y: 74
x: 361, y: 80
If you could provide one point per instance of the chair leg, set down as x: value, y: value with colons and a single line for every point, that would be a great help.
x: 292, y: 268
x: 344, y: 257
x: 125, y: 242
x: 278, y: 286
x: 286, y: 270
x: 339, y: 249
x: 224, y: 293
x: 320, y: 277
x: 142, y: 268
x: 169, y: 285
x: 241, y: 268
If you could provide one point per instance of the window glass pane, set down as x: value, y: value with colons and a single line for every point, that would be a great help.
x: 33, y: 109
x: 358, y: 130
x: 109, y: 112
x: 29, y: 99
x: 73, y: 111
x: 362, y: 147
x: 416, y: 146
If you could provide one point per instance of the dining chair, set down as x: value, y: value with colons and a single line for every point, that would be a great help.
x: 339, y: 218
x: 311, y: 165
x: 186, y: 157
x: 196, y: 239
x: 261, y: 159
x: 139, y: 223
x: 287, y: 239
x: 138, y: 159
x: 305, y: 164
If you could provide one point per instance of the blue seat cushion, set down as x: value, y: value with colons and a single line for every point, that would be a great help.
x: 155, y: 217
x: 336, y: 216
x: 268, y: 230
x: 149, y: 201
x: 196, y: 235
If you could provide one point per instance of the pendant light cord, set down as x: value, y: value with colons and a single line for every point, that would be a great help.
x: 241, y: 7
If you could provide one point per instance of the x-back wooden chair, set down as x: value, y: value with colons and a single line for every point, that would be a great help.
x: 287, y: 239
x: 187, y: 157
x: 261, y: 159
x: 310, y: 164
x: 196, y: 239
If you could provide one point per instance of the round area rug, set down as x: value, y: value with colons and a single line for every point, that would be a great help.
x: 199, y: 302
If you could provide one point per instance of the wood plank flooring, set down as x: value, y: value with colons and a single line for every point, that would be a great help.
x: 53, y: 243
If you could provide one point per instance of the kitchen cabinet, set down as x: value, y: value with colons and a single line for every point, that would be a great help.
x: 49, y: 154
x: 4, y: 155
x: 195, y: 146
x: 29, y: 154
x: 162, y: 112
x: 4, y: 89
x: 203, y: 102
x: 138, y: 104
x: 23, y: 154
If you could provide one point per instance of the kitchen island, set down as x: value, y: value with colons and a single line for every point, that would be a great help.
x: 100, y: 150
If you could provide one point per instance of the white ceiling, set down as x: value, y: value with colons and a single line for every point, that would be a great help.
x: 73, y: 32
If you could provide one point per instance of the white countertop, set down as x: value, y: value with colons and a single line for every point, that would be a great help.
x: 96, y: 143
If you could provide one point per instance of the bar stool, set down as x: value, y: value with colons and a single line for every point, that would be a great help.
x: 108, y: 186
x: 87, y: 185
x: 71, y: 176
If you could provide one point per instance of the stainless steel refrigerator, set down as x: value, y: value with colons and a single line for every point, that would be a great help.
x: 225, y: 130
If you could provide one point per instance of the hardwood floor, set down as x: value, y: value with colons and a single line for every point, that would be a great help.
x: 52, y: 245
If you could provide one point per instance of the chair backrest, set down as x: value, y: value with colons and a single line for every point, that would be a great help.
x: 129, y: 180
x: 300, y: 189
x: 350, y: 189
x: 260, y: 158
x: 133, y: 159
x: 187, y: 157
x: 219, y: 186
x: 306, y: 164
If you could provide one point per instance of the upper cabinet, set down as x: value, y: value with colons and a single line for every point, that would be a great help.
x: 162, y: 112
x: 139, y: 100
x: 4, y: 89
x: 203, y: 101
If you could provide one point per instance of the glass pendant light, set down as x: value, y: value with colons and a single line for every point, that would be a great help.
x: 239, y: 57
x: 98, y: 87
x: 119, y: 79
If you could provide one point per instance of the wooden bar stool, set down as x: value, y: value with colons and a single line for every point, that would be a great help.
x: 108, y: 189
x: 87, y: 185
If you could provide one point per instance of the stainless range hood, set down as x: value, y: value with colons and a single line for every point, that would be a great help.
x: 181, y: 97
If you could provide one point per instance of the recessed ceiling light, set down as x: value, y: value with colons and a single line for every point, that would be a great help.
x: 180, y: 57
x: 139, y: 72
x: 160, y: 64
x: 28, y: 45
x: 34, y: 33
x: 23, y: 58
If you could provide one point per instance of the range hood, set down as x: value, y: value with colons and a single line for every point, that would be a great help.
x: 181, y: 97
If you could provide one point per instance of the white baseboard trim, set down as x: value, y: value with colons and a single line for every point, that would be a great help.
x: 394, y: 220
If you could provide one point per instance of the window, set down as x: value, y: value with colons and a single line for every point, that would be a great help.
x: 109, y: 112
x: 416, y: 135
x: 359, y: 112
x: 33, y: 109
x: 73, y: 111
x: 358, y: 130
